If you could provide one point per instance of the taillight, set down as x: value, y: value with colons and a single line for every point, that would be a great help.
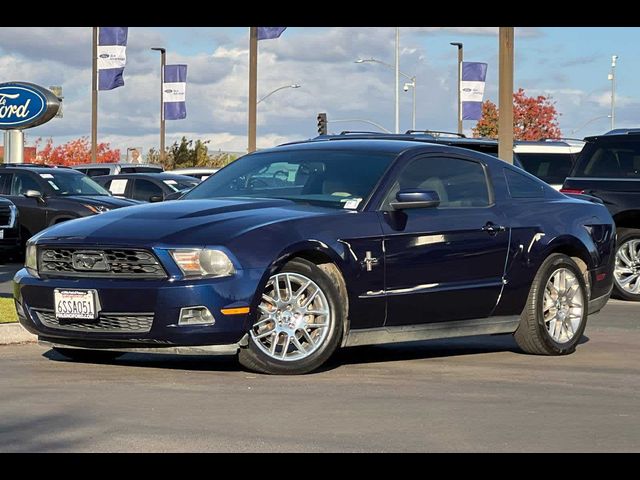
x: 575, y: 191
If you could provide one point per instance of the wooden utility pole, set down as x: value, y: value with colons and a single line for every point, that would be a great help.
x: 253, y: 86
x: 505, y: 94
x: 94, y: 97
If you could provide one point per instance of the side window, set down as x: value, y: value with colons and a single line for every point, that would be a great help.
x: 5, y: 183
x: 96, y: 172
x: 458, y: 182
x: 23, y: 182
x: 106, y: 184
x: 144, y: 190
x: 521, y: 186
x: 82, y: 170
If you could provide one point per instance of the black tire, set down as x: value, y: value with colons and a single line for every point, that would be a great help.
x: 532, y: 335
x: 624, y: 235
x: 253, y: 358
x: 89, y: 356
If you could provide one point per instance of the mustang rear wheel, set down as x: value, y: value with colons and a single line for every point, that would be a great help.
x: 298, y: 324
x: 80, y: 355
x: 626, y: 273
x: 555, y: 315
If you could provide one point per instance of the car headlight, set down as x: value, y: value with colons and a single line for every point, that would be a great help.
x: 31, y: 259
x: 96, y: 208
x: 203, y: 262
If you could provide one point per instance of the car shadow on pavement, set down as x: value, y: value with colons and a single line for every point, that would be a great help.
x: 423, y: 350
x: 222, y: 363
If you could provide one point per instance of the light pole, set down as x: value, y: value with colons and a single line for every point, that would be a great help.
x: 397, y: 67
x: 163, y: 62
x: 612, y: 77
x: 460, y: 58
x: 293, y: 85
x: 411, y: 83
x: 588, y: 122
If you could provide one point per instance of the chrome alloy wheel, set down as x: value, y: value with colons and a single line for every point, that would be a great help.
x: 627, y: 268
x: 295, y: 317
x: 563, y: 305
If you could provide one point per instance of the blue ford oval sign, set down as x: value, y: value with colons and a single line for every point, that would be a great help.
x: 26, y: 105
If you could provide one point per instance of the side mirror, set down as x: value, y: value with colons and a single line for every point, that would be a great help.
x: 415, y: 199
x: 34, y: 194
x: 155, y: 198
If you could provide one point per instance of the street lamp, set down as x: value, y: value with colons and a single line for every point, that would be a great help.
x: 460, y: 57
x: 411, y: 83
x: 612, y: 77
x: 588, y: 122
x: 293, y: 85
x: 163, y: 62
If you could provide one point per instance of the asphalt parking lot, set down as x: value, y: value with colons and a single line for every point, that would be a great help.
x: 473, y: 394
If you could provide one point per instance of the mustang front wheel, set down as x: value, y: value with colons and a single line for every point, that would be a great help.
x: 555, y: 315
x: 298, y: 324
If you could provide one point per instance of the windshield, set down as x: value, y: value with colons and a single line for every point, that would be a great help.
x: 179, y: 185
x: 609, y: 160
x: 552, y: 168
x: 68, y: 184
x: 332, y: 178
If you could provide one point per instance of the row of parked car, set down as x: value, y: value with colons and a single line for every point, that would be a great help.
x: 34, y: 197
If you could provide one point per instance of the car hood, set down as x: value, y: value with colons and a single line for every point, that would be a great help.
x: 181, y: 222
x: 107, y: 201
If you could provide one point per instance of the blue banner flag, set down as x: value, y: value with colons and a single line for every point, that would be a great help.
x: 112, y: 56
x: 472, y: 83
x: 174, y: 92
x: 265, y: 33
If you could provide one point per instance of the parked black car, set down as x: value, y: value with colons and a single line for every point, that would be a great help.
x: 609, y: 168
x: 47, y: 195
x: 9, y: 230
x: 147, y: 187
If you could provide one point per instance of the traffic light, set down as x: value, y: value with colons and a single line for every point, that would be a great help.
x: 322, y: 124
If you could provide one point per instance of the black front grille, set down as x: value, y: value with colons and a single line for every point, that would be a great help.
x: 113, y: 263
x: 106, y: 322
x: 5, y: 216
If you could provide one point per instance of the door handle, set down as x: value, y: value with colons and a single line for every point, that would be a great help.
x: 492, y: 229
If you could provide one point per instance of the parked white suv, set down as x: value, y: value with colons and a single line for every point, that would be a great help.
x: 549, y: 160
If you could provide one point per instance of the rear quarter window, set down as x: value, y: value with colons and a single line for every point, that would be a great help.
x: 521, y: 186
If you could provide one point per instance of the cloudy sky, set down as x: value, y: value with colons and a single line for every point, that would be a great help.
x: 570, y: 64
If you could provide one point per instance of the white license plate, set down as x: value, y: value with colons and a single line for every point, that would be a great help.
x: 75, y: 304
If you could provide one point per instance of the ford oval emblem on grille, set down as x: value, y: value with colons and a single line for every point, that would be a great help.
x: 85, y: 260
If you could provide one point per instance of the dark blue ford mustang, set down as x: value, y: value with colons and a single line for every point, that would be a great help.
x: 289, y: 253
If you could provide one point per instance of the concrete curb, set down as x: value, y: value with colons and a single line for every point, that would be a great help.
x: 11, y: 333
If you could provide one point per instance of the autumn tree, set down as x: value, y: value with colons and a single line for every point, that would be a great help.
x: 74, y: 152
x: 534, y: 118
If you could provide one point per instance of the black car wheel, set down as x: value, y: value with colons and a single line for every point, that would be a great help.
x: 90, y: 356
x: 555, y: 315
x: 299, y: 322
x: 626, y: 274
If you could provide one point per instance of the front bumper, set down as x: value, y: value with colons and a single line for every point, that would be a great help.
x: 159, y: 300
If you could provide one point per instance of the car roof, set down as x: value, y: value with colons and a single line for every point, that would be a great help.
x: 393, y: 145
x: 630, y: 134
x: 29, y: 167
x: 411, y: 136
x: 115, y: 164
x: 195, y: 170
x: 157, y: 175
